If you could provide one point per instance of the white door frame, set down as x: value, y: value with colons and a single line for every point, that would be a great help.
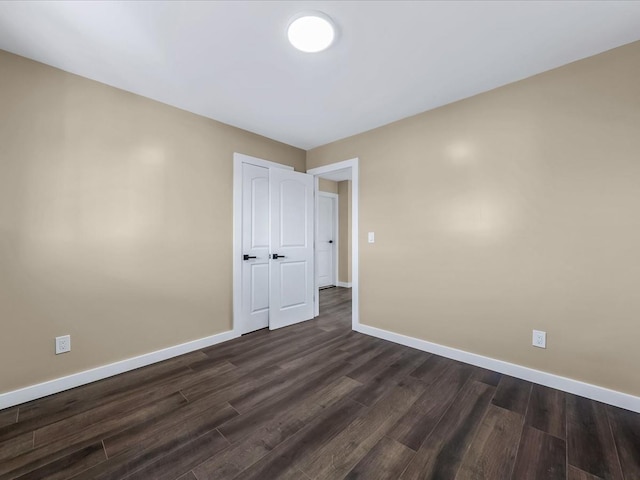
x: 355, y: 293
x: 336, y: 233
x: 238, y: 160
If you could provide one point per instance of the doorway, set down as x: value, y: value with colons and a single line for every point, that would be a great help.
x: 345, y: 174
x: 334, y: 171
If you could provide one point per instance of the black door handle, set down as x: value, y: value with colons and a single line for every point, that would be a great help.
x: 247, y: 257
x: 330, y: 241
x: 275, y: 256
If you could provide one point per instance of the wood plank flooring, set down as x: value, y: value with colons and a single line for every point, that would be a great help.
x: 317, y: 401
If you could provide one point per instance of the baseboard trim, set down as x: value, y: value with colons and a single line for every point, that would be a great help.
x: 16, y: 397
x: 594, y: 392
x: 344, y: 284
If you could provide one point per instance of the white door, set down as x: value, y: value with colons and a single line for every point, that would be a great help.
x: 255, y: 248
x: 291, y: 273
x: 327, y: 236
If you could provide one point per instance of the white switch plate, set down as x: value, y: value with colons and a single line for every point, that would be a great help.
x: 539, y: 339
x: 63, y: 344
x: 372, y: 237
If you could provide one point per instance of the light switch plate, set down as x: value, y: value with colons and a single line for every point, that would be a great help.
x: 372, y: 237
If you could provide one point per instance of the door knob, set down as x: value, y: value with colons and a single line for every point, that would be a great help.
x: 247, y: 257
x: 330, y: 241
x: 275, y: 256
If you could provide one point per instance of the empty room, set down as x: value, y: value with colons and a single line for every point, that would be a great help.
x: 309, y: 240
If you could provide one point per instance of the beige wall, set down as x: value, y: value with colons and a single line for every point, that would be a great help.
x: 512, y: 210
x: 328, y: 186
x: 344, y: 231
x: 115, y: 222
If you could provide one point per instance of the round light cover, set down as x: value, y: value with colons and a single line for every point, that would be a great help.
x: 311, y: 32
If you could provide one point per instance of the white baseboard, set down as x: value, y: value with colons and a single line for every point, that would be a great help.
x: 344, y: 284
x: 594, y: 392
x: 16, y: 397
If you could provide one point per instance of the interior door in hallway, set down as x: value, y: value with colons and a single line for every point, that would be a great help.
x: 291, y: 273
x: 327, y: 239
x: 255, y: 248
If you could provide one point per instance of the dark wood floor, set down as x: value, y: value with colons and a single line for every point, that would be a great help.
x: 317, y: 401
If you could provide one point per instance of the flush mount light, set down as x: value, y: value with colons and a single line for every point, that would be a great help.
x: 311, y: 32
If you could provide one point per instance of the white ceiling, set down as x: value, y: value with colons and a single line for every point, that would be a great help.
x: 230, y: 61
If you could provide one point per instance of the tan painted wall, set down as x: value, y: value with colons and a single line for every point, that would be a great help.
x: 512, y: 210
x: 328, y: 186
x: 115, y: 222
x: 344, y: 231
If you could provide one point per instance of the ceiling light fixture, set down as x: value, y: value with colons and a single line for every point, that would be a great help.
x: 311, y: 32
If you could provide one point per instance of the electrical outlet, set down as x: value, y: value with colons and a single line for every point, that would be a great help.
x: 63, y: 344
x: 539, y: 339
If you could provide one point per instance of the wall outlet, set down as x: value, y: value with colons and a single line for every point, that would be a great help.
x: 63, y: 344
x: 539, y: 339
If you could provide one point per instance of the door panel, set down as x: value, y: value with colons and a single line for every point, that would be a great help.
x: 293, y: 280
x: 325, y: 250
x: 255, y: 243
x: 324, y: 268
x: 260, y: 210
x: 292, y: 214
x: 291, y: 275
x: 260, y: 294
